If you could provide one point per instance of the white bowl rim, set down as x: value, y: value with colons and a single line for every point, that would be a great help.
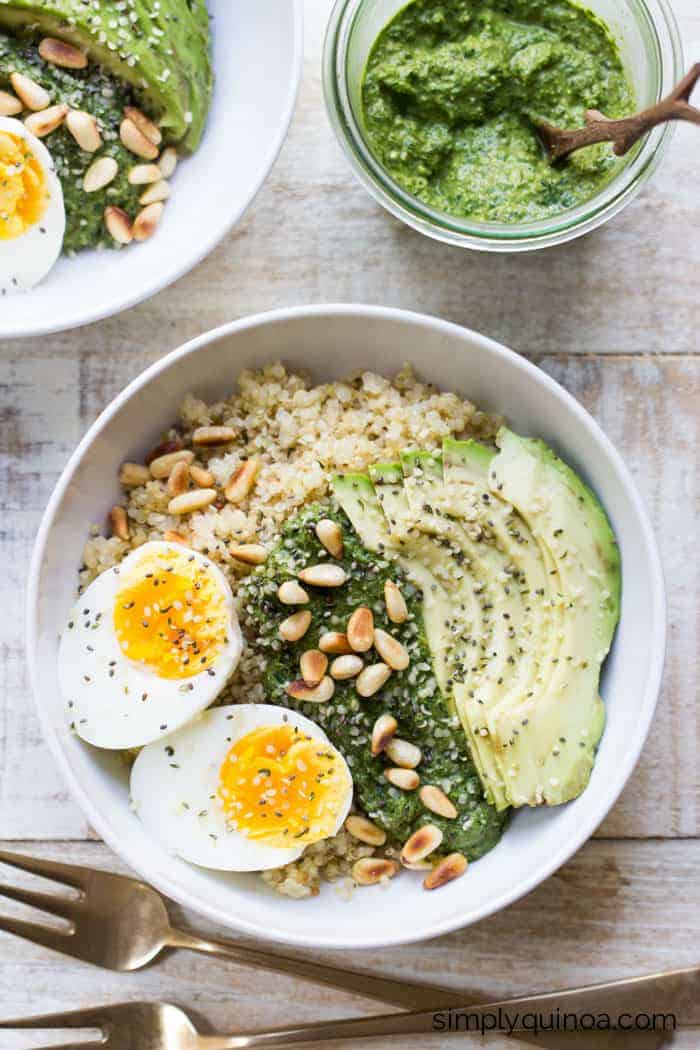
x: 166, y: 276
x: 647, y: 705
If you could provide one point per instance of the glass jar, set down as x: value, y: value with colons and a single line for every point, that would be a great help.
x: 647, y: 35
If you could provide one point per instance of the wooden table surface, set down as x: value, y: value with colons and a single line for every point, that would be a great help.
x: 615, y: 318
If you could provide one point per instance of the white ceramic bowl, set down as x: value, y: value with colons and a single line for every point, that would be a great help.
x: 257, y: 54
x: 330, y: 341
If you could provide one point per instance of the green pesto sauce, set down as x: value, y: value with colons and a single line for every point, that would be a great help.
x: 412, y: 696
x: 104, y: 97
x: 451, y: 91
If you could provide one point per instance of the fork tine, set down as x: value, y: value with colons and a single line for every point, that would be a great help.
x: 73, y: 1046
x: 69, y: 874
x: 56, y: 940
x: 92, y: 1017
x: 48, y: 902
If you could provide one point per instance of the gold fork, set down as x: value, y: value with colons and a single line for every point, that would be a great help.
x: 161, y: 1026
x: 122, y: 924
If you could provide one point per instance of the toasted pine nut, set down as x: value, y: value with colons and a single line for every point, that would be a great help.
x: 396, y: 608
x: 147, y: 220
x: 168, y: 162
x: 31, y: 94
x: 290, y: 593
x: 170, y: 536
x: 188, y: 502
x: 118, y: 225
x: 83, y: 127
x: 323, y: 575
x: 47, y: 120
x: 241, y: 482
x: 161, y: 466
x: 419, y: 865
x: 59, y: 53
x: 295, y: 626
x: 434, y: 799
x: 143, y: 174
x: 100, y: 173
x: 313, y: 664
x: 214, y: 435
x: 371, y: 680
x: 334, y: 642
x: 159, y: 191
x: 250, y: 553
x: 346, y: 667
x: 421, y: 844
x: 10, y: 106
x: 369, y: 870
x: 364, y: 830
x: 330, y: 535
x: 449, y: 868
x: 133, y: 474
x: 360, y: 629
x: 135, y: 141
x: 179, y: 479
x: 405, y: 779
x: 174, y: 444
x: 200, y: 476
x: 383, y: 730
x: 316, y: 694
x: 144, y: 124
x: 119, y: 522
x: 391, y: 651
x: 403, y: 753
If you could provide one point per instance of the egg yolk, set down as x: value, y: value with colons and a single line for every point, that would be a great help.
x: 170, y: 614
x: 282, y: 787
x: 23, y: 192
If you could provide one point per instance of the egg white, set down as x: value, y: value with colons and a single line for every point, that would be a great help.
x: 25, y: 260
x: 174, y: 789
x: 104, y: 690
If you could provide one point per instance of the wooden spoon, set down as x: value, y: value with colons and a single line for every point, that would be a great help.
x: 559, y: 142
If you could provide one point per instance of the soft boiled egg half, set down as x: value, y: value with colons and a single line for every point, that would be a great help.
x: 32, y: 214
x: 243, y: 788
x: 149, y: 644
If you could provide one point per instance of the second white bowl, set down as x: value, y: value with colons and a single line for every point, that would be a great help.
x: 257, y: 58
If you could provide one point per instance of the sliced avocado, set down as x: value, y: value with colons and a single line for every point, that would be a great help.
x: 481, y: 635
x: 357, y: 496
x: 550, y: 739
x: 161, y: 50
x: 521, y: 663
x: 520, y: 574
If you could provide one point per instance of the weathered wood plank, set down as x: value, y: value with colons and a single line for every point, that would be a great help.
x: 617, y: 909
x: 648, y: 406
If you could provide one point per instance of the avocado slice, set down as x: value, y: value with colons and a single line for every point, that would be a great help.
x: 161, y: 50
x: 550, y: 739
x: 521, y: 663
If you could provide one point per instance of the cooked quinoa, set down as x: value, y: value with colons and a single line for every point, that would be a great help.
x: 300, y: 435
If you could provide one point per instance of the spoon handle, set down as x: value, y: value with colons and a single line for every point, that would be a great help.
x: 624, y: 133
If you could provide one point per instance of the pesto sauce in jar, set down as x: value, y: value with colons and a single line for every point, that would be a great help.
x: 101, y: 95
x: 412, y: 696
x: 453, y: 88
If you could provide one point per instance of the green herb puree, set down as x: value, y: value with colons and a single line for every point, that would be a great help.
x: 412, y: 696
x: 452, y: 90
x: 96, y: 92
